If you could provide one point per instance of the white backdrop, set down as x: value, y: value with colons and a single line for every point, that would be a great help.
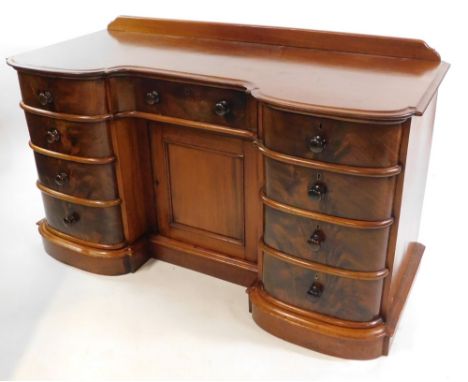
x: 166, y: 322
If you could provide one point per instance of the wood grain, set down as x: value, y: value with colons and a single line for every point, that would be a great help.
x: 76, y: 139
x: 286, y: 160
x: 99, y: 225
x: 294, y: 37
x: 354, y: 300
x: 102, y: 261
x: 342, y: 247
x: 352, y: 144
x: 389, y: 88
x: 89, y: 181
x: 360, y: 198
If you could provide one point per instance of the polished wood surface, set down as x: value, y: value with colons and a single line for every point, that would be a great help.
x: 373, y: 172
x: 341, y: 247
x: 67, y: 96
x: 352, y: 144
x: 371, y: 197
x: 314, y: 331
x: 354, y: 300
x: 399, y: 88
x: 106, y: 261
x: 88, y: 222
x: 180, y: 100
x: 200, y: 183
x: 71, y: 138
x: 289, y: 161
x: 82, y: 180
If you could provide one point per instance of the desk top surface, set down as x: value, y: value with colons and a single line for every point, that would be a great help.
x: 346, y: 75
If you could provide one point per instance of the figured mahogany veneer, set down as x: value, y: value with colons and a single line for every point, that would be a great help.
x: 338, y: 246
x: 289, y: 161
x: 347, y: 143
x: 88, y: 181
x: 77, y: 139
x: 328, y: 193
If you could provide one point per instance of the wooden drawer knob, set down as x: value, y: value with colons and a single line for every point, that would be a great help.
x: 45, y: 98
x: 53, y: 135
x: 317, y: 144
x: 316, y: 239
x: 152, y: 97
x: 61, y: 178
x: 71, y: 219
x: 222, y: 108
x: 317, y: 191
x: 316, y: 289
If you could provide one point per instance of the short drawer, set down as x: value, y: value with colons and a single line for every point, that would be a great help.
x: 89, y: 181
x: 340, y: 297
x: 188, y: 101
x: 70, y: 96
x: 348, y: 196
x: 92, y: 224
x: 328, y: 140
x: 72, y: 138
x: 349, y: 248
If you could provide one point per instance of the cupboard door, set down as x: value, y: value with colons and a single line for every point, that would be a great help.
x: 200, y: 181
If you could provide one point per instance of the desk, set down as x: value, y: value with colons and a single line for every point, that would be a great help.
x: 289, y: 161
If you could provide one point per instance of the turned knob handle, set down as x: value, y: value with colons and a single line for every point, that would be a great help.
x: 53, y: 135
x: 317, y: 144
x: 61, y: 178
x: 317, y: 191
x: 71, y: 219
x: 45, y: 98
x: 152, y: 97
x: 316, y: 289
x: 315, y: 240
x: 222, y: 108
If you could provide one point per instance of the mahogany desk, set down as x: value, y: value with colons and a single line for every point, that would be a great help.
x: 289, y: 161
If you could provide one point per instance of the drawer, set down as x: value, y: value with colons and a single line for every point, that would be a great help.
x: 72, y: 138
x: 328, y: 140
x: 330, y: 244
x: 340, y: 297
x: 89, y: 181
x: 71, y: 96
x: 348, y: 196
x: 188, y: 101
x: 93, y: 224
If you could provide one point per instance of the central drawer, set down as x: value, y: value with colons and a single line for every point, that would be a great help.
x: 189, y: 101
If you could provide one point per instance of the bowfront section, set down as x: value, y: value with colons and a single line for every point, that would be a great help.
x: 291, y: 162
x: 331, y: 189
x: 70, y: 129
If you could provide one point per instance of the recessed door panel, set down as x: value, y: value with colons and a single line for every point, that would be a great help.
x: 200, y: 183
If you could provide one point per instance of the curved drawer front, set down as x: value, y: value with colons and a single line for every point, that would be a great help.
x: 327, y: 140
x: 72, y: 138
x: 193, y: 102
x: 92, y: 224
x: 89, y: 181
x: 84, y: 97
x: 344, y: 298
x: 348, y: 196
x: 330, y: 244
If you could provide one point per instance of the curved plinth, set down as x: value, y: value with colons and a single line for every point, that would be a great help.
x: 110, y: 262
x: 327, y: 335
